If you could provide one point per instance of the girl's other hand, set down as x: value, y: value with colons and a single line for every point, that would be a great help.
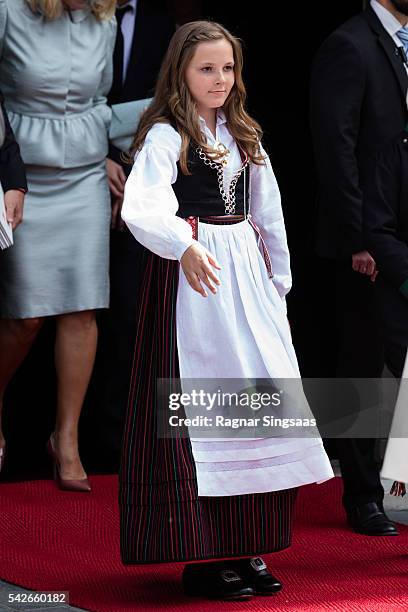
x: 196, y: 263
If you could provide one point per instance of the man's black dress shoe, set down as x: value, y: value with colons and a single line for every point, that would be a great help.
x: 215, y: 581
x: 255, y: 574
x: 370, y: 519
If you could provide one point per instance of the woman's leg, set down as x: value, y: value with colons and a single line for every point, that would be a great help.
x: 75, y: 350
x: 16, y: 339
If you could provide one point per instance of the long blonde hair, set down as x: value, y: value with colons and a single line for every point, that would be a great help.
x: 173, y: 102
x: 52, y: 9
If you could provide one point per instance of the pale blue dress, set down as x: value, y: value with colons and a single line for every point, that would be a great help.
x: 55, y: 76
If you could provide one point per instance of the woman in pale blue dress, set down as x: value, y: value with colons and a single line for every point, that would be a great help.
x: 55, y: 71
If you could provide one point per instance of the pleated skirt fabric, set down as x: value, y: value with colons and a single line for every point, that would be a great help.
x: 59, y: 262
x: 162, y: 517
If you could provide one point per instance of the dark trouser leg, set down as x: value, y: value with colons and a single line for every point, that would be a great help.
x: 360, y: 355
x: 395, y: 355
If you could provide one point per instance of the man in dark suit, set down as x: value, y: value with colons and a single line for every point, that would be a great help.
x: 143, y: 35
x: 358, y: 102
x: 12, y: 173
x: 386, y: 236
x: 144, y: 32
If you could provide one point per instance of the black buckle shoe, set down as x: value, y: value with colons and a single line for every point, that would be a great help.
x: 370, y: 519
x: 215, y: 581
x: 255, y: 574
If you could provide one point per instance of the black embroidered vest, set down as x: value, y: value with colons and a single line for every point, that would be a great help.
x: 199, y: 195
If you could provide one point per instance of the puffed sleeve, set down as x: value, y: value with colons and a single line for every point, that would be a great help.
x: 266, y: 211
x: 150, y: 205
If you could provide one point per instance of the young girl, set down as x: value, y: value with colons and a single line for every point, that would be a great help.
x: 202, y: 192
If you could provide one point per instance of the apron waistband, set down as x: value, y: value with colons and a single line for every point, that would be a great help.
x: 232, y: 220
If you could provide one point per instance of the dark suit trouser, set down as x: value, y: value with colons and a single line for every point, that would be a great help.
x: 360, y: 355
x: 395, y: 355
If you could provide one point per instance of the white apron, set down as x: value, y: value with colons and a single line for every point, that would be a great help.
x: 242, y: 332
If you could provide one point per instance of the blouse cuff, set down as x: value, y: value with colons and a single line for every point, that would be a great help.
x: 182, y: 247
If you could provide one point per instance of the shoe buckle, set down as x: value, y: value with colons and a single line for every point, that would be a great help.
x: 229, y: 576
x: 258, y: 564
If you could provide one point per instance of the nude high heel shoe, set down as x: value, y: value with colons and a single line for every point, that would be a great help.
x: 65, y: 484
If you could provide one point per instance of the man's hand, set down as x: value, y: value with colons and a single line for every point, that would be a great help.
x: 363, y: 262
x: 14, y: 203
x: 116, y: 178
x: 196, y: 263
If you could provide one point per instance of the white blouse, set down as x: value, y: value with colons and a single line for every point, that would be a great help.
x: 150, y: 204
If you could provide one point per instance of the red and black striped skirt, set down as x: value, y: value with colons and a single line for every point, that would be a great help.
x: 161, y: 516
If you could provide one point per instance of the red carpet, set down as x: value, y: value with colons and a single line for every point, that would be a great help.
x: 51, y: 540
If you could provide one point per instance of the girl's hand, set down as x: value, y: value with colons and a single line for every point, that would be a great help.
x: 196, y: 263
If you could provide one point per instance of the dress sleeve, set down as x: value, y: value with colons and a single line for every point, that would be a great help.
x: 107, y: 73
x: 150, y: 205
x: 266, y: 211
